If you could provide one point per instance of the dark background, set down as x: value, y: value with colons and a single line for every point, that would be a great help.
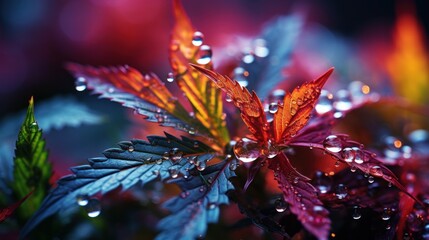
x: 38, y: 37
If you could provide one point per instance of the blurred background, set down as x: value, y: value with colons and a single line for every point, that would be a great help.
x: 38, y: 37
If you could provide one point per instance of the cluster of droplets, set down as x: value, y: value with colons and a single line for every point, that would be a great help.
x: 274, y: 100
x: 345, y: 99
x: 92, y: 206
x: 248, y: 150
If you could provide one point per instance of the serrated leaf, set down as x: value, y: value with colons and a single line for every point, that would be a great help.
x: 204, y: 97
x: 145, y: 94
x: 6, y: 212
x: 302, y: 197
x: 252, y: 111
x: 136, y: 161
x: 198, y: 205
x: 278, y: 38
x: 295, y: 111
x: 32, y: 170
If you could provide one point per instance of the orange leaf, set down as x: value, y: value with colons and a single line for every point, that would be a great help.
x: 252, y: 111
x: 205, y: 98
x: 296, y: 109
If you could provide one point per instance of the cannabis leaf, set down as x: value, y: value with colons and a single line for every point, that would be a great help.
x: 198, y: 204
x: 291, y: 116
x: 147, y: 95
x: 32, y: 171
x: 136, y: 161
x: 186, y: 46
x: 301, y: 196
x: 295, y: 110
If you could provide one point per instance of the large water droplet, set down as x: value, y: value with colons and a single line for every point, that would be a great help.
x: 271, y: 151
x: 197, y: 39
x: 80, y: 84
x: 342, y: 100
x: 82, y: 200
x: 280, y: 205
x: 170, y: 77
x: 324, y: 103
x: 333, y: 144
x: 322, y: 182
x: 204, y: 55
x: 247, y: 150
x: 341, y: 191
x: 93, y: 208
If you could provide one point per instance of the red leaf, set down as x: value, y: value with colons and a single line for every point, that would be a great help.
x: 296, y: 109
x: 252, y: 111
x: 6, y: 212
x: 302, y: 197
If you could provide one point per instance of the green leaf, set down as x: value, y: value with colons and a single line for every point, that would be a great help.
x: 31, y: 168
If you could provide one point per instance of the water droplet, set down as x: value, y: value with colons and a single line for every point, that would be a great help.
x: 273, y: 107
x: 376, y: 171
x: 353, y: 154
x: 131, y: 148
x: 271, y: 150
x: 333, y: 144
x: 386, y: 214
x: 204, y: 55
x: 324, y: 103
x: 233, y: 165
x: 341, y: 191
x: 337, y: 164
x: 170, y: 77
x: 228, y: 98
x: 93, y: 208
x: 158, y: 161
x: 322, y: 182
x: 201, y: 165
x: 82, y: 200
x: 343, y: 101
x: 166, y: 155
x: 155, y: 172
x: 197, y: 39
x: 211, y: 206
x: 174, y: 172
x: 202, y: 189
x: 34, y: 126
x: 356, y: 213
x: 353, y: 168
x: 248, y: 58
x: 280, y: 205
x: 80, y: 84
x: 247, y: 150
x: 371, y: 179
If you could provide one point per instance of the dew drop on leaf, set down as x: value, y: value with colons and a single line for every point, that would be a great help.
x: 82, y: 200
x: 159, y: 161
x: 280, y: 205
x: 273, y: 107
x: 204, y: 55
x: 170, y: 77
x: 324, y: 103
x: 376, y: 171
x: 197, y: 39
x: 34, y: 127
x: 93, y: 208
x: 131, y: 148
x: 228, y: 98
x: 174, y: 172
x: 80, y: 84
x: 341, y: 191
x: 333, y: 144
x: 247, y: 150
x: 175, y: 154
x: 201, y: 165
